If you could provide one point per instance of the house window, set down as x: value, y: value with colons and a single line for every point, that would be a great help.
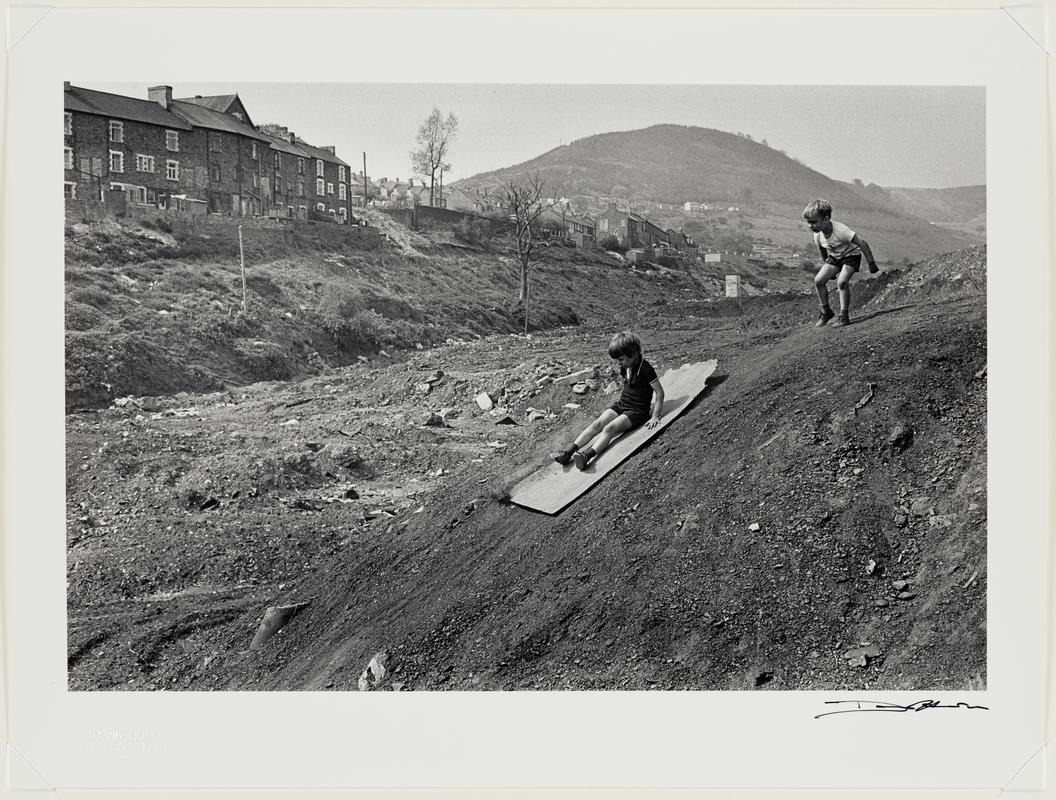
x: 329, y: 188
x: 256, y: 180
x: 318, y: 166
x: 342, y: 191
x: 117, y: 161
x: 289, y: 211
x: 300, y: 188
x: 141, y: 194
x: 253, y: 146
x: 344, y: 213
x: 69, y: 190
x: 144, y: 163
x: 216, y: 172
x: 172, y: 170
x: 333, y: 214
x: 117, y: 131
x: 67, y: 123
x: 303, y: 210
x: 216, y: 143
x: 277, y: 161
x: 67, y: 157
x: 300, y: 166
x: 341, y: 172
x: 172, y: 141
x: 320, y: 207
x: 320, y: 188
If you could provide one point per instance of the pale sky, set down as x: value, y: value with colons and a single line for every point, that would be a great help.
x: 918, y: 136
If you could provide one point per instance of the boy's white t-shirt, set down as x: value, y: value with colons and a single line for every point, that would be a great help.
x: 838, y: 244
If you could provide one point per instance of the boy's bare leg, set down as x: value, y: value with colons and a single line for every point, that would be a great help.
x: 611, y: 431
x: 594, y: 428
x: 821, y: 282
x: 843, y: 284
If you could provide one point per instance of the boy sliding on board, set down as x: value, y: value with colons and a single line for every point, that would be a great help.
x: 641, y: 387
x: 841, y: 249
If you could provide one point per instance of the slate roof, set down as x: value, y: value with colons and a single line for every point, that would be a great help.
x: 278, y: 143
x: 116, y: 106
x: 318, y: 152
x: 217, y: 102
x: 202, y: 117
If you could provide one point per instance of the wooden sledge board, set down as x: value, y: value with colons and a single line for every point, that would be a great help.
x: 553, y: 486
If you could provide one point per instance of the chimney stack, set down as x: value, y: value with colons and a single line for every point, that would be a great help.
x: 329, y: 148
x: 65, y: 86
x: 162, y: 95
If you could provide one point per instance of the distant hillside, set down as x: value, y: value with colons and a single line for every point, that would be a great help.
x: 672, y: 164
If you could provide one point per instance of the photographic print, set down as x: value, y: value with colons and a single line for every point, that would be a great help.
x: 525, y: 387
x: 597, y: 398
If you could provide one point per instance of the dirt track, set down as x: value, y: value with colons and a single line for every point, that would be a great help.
x: 794, y: 529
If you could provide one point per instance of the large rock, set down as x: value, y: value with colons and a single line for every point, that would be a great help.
x: 375, y: 672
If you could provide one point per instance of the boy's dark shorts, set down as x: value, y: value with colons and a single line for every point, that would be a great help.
x: 636, y: 416
x: 854, y: 262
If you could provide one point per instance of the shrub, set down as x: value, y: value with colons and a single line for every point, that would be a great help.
x: 471, y: 230
x: 82, y: 317
x: 90, y: 295
x: 612, y: 243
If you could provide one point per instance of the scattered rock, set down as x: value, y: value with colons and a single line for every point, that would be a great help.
x: 870, y: 567
x: 906, y: 595
x: 754, y: 527
x: 861, y: 656
x: 900, y: 585
x: 423, y: 388
x: 484, y: 401
x: 580, y: 388
x: 507, y: 420
x: 350, y: 494
x: 535, y: 413
x: 374, y: 673
x: 901, y: 437
x: 275, y: 618
x: 869, y: 396
x: 881, y: 603
x: 575, y: 376
x: 433, y: 420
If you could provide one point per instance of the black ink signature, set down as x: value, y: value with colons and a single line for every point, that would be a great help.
x: 873, y: 705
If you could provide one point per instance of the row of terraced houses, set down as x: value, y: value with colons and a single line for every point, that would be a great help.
x: 198, y: 154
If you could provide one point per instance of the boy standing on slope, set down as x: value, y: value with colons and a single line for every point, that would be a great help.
x: 641, y: 387
x: 841, y: 249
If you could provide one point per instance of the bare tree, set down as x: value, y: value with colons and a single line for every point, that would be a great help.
x: 523, y: 201
x: 434, y: 141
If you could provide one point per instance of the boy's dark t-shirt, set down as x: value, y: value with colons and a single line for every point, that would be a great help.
x: 637, y: 390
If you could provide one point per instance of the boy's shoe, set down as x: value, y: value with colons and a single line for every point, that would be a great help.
x: 582, y: 458
x: 874, y: 269
x: 825, y: 315
x: 843, y: 319
x: 563, y: 457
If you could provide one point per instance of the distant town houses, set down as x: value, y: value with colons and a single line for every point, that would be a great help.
x: 196, y: 154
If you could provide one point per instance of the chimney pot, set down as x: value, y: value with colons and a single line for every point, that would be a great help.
x: 65, y: 86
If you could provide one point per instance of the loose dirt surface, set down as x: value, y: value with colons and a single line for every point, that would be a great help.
x: 817, y: 519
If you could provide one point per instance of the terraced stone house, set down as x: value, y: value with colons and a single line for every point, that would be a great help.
x: 167, y: 152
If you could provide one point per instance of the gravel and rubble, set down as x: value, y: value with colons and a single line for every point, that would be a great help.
x: 817, y: 519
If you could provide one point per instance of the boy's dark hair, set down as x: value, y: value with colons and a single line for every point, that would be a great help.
x: 625, y: 343
x: 817, y: 208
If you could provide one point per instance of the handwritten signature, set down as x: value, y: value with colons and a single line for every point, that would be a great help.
x: 873, y: 705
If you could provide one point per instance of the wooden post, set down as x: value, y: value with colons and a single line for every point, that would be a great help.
x: 364, y: 180
x: 242, y: 260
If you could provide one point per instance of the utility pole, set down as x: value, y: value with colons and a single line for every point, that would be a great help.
x: 364, y: 180
x: 242, y: 260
